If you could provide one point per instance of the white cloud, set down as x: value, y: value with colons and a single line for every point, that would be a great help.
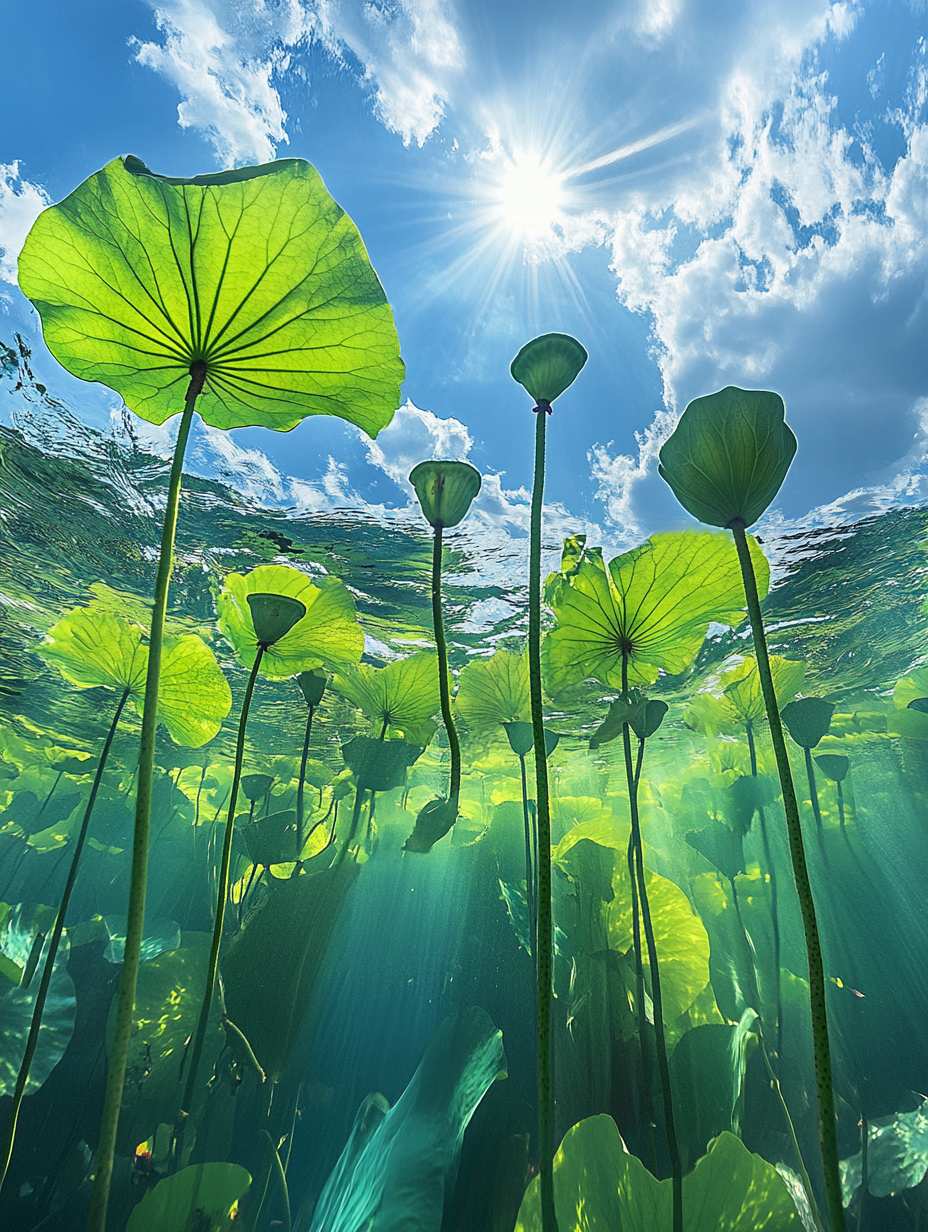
x: 222, y: 59
x: 410, y: 52
x: 21, y: 202
x: 412, y: 436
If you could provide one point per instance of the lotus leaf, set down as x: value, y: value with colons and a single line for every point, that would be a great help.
x: 433, y: 822
x: 834, y: 766
x: 493, y: 691
x: 328, y: 635
x: 598, y: 1185
x: 272, y: 840
x: 653, y: 604
x: 808, y: 720
x: 644, y: 717
x: 910, y: 718
x: 270, y: 967
x: 728, y: 455
x: 380, y: 765
x: 742, y: 699
x: 33, y: 815
x: 256, y: 786
x: 160, y: 935
x: 721, y: 846
x: 897, y: 1156
x: 547, y: 365
x: 257, y: 272
x: 521, y: 738
x: 201, y: 1196
x: 402, y: 696
x: 92, y: 648
x: 747, y: 794
x: 708, y: 1067
x: 445, y: 490
x: 920, y: 704
x: 911, y: 687
x: 681, y: 939
x: 23, y: 941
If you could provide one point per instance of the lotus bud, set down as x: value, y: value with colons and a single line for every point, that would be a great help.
x: 273, y: 616
x: 445, y: 491
x: 312, y: 686
x: 547, y: 365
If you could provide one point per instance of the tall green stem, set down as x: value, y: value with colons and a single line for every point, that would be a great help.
x: 135, y: 924
x: 531, y: 873
x: 302, y: 783
x: 774, y: 897
x: 444, y: 684
x: 673, y: 1149
x: 545, y: 946
x: 813, y: 790
x: 827, y: 1129
x: 222, y: 894
x: 22, y: 1078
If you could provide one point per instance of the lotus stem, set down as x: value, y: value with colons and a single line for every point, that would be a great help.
x: 444, y: 684
x: 827, y: 1126
x: 774, y: 899
x: 135, y: 924
x: 673, y: 1149
x: 545, y: 944
x: 528, y: 827
x: 302, y: 783
x: 864, y: 1168
x: 222, y: 894
x: 813, y: 792
x: 840, y: 803
x: 22, y: 1078
x: 283, y: 1181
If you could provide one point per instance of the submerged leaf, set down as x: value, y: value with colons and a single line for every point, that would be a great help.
x: 433, y: 822
x: 834, y: 766
x: 90, y: 648
x: 328, y: 634
x: 547, y: 365
x: 742, y: 699
x: 257, y: 272
x: 728, y: 455
x: 494, y: 691
x: 403, y: 695
x: 653, y: 604
x: 201, y: 1196
x: 721, y: 846
x: 808, y: 720
x: 380, y: 765
x: 312, y: 685
x: 272, y: 839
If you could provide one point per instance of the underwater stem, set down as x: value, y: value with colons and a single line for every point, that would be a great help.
x: 222, y: 894
x: 283, y: 1180
x: 774, y: 900
x: 531, y: 874
x: 116, y: 1076
x: 22, y: 1078
x: 545, y: 945
x: 827, y: 1128
x: 673, y: 1149
x: 444, y: 684
x: 813, y: 790
x: 302, y: 783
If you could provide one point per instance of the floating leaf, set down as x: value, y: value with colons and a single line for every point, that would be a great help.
x: 547, y: 365
x: 92, y: 648
x: 599, y: 1185
x: 728, y: 455
x: 201, y: 1196
x: 445, y: 490
x: 380, y: 765
x: 255, y: 271
x: 33, y: 815
x: 327, y: 635
x: 834, y: 766
x: 494, y: 691
x: 808, y: 720
x: 24, y: 937
x: 654, y: 604
x: 402, y: 696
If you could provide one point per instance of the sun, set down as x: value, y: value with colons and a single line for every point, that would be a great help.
x: 531, y: 196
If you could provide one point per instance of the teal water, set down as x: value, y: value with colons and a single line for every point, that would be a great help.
x: 361, y: 978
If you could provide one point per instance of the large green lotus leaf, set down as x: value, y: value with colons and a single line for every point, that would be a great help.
x: 728, y: 455
x: 271, y: 966
x: 201, y: 1196
x: 681, y: 939
x: 742, y: 692
x: 328, y: 635
x: 897, y: 1156
x: 272, y: 839
x: 494, y: 691
x: 403, y: 695
x: 33, y: 815
x: 24, y: 928
x: 910, y: 688
x: 91, y: 647
x: 598, y: 1185
x: 379, y: 765
x: 910, y: 723
x: 656, y: 602
x: 167, y: 1005
x: 547, y: 365
x: 257, y: 272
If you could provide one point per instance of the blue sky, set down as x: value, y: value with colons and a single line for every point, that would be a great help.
x: 704, y: 192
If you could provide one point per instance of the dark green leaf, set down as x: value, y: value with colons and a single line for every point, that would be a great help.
x: 273, y: 616
x: 918, y: 703
x: 808, y: 720
x: 728, y: 455
x: 272, y: 839
x: 201, y: 1196
x: 312, y: 685
x: 257, y: 272
x: 433, y: 822
x: 445, y: 490
x: 834, y: 766
x: 380, y: 765
x: 721, y: 846
x: 256, y: 786
x: 746, y: 795
x: 547, y: 365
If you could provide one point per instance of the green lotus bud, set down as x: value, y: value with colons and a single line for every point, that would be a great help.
x: 312, y: 686
x: 445, y: 490
x: 547, y: 365
x: 728, y: 455
x: 834, y: 766
x: 273, y: 616
x: 256, y: 786
x: 808, y: 720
